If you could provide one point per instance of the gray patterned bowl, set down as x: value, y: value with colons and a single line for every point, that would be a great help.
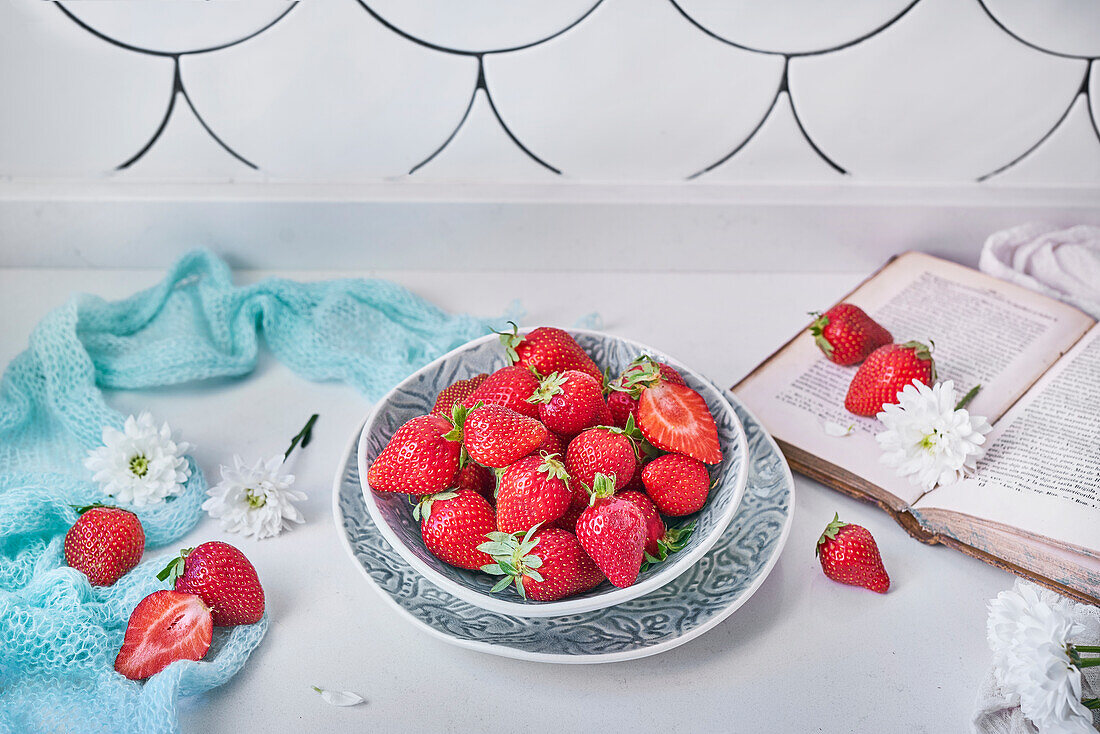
x: 392, y: 513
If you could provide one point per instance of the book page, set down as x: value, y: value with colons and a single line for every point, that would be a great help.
x: 985, y: 331
x: 1041, y: 472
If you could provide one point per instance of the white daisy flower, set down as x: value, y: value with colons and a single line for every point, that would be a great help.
x: 254, y: 500
x: 1029, y: 631
x: 141, y: 464
x: 927, y: 439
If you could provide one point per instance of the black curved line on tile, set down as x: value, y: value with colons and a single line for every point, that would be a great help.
x: 448, y: 50
x: 806, y: 136
x: 1027, y: 43
x: 211, y: 133
x: 496, y: 113
x: 751, y: 135
x: 176, y: 86
x: 792, y: 54
x: 1082, y: 91
x: 1089, y: 100
x: 175, y: 54
x: 466, y: 114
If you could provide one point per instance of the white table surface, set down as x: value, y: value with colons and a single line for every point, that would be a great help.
x: 803, y: 654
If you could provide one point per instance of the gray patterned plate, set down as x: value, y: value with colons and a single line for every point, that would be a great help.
x: 416, y: 395
x: 688, y: 606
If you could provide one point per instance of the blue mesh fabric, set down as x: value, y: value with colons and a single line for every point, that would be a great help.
x: 58, y: 634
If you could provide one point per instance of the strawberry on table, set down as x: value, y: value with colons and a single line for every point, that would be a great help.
x: 545, y: 564
x: 570, y: 401
x: 660, y: 541
x: 422, y: 457
x: 453, y: 524
x: 496, y: 436
x: 533, y: 491
x: 164, y: 627
x: 677, y: 484
x: 223, y: 578
x: 601, y: 450
x: 511, y: 387
x: 849, y: 554
x: 885, y: 373
x: 104, y: 543
x: 455, y: 394
x: 547, y: 350
x: 613, y: 532
x: 846, y: 334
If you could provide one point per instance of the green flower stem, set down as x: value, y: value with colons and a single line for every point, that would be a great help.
x: 1091, y: 703
x: 968, y: 397
x: 1087, y: 663
x: 1087, y: 648
x: 303, y: 436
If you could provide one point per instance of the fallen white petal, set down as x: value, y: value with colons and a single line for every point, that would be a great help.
x: 835, y: 429
x: 340, y: 698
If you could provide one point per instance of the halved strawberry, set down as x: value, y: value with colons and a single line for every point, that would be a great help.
x: 164, y: 627
x: 676, y: 418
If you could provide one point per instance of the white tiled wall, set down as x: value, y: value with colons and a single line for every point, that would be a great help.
x: 747, y: 91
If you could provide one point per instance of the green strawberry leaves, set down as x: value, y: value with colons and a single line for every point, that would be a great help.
x: 423, y: 508
x: 510, y: 342
x: 175, y: 567
x: 831, y: 530
x: 817, y: 328
x: 512, y: 559
x: 675, y: 540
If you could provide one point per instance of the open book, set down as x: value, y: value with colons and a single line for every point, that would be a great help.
x: 1033, y: 505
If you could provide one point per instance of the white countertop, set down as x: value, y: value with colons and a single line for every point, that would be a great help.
x: 803, y: 654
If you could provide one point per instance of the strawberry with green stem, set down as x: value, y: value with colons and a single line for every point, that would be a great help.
x: 533, y: 491
x: 547, y: 350
x: 613, y: 532
x: 545, y: 564
x: 104, y: 543
x: 660, y: 540
x: 885, y: 373
x: 672, y: 416
x: 510, y: 387
x: 223, y: 578
x: 623, y: 392
x: 846, y: 335
x: 570, y: 401
x: 453, y: 524
x: 849, y: 555
x: 422, y: 457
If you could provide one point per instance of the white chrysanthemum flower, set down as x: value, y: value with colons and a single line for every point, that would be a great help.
x: 254, y: 500
x: 927, y: 439
x: 1029, y: 631
x: 140, y: 464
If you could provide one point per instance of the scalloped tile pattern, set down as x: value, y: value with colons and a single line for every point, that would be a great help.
x: 480, y: 25
x: 897, y: 107
x: 365, y: 103
x: 596, y: 90
x: 793, y: 26
x: 73, y: 105
x: 645, y: 115
x: 1062, y: 26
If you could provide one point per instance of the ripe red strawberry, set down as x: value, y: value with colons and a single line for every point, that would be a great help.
x: 678, y: 485
x: 601, y: 451
x: 164, y: 627
x: 849, y: 554
x: 676, y: 418
x: 224, y: 579
x: 453, y: 524
x: 570, y: 401
x: 546, y: 564
x: 846, y: 334
x: 497, y: 436
x: 478, y: 478
x: 104, y: 543
x: 613, y: 533
x: 660, y: 541
x: 552, y: 445
x: 455, y: 394
x: 421, y: 458
x: 885, y: 373
x: 622, y: 401
x: 509, y: 386
x: 533, y: 491
x: 547, y: 350
x: 577, y: 506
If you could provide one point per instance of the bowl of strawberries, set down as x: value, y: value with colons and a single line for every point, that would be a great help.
x: 546, y: 472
